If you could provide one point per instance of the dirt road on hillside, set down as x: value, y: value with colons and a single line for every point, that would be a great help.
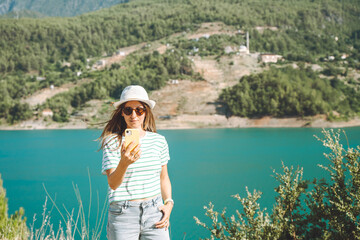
x: 40, y: 96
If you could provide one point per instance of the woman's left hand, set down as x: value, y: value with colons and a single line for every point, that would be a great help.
x: 165, y: 221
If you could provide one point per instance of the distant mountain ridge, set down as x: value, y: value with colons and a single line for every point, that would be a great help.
x: 58, y: 8
x: 23, y: 14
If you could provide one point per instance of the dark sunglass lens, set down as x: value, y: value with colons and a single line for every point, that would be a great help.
x: 128, y: 110
x: 140, y: 111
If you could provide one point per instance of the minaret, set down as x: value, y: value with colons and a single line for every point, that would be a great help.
x: 247, y: 42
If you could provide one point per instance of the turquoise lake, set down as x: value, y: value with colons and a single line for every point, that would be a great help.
x: 207, y: 165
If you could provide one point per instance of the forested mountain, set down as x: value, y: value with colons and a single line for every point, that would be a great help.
x: 307, y: 29
x: 60, y: 8
x: 22, y: 14
x: 55, y: 48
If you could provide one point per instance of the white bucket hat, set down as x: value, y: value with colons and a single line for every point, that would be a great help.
x: 135, y: 93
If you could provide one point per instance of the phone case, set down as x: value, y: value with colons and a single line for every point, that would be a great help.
x: 132, y: 135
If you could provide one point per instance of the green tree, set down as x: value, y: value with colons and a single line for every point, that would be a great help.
x: 289, y: 92
x: 19, y: 112
x: 61, y: 115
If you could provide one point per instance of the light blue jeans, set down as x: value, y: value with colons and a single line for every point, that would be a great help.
x: 134, y: 220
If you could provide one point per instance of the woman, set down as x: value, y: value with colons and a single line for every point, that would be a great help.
x: 137, y: 174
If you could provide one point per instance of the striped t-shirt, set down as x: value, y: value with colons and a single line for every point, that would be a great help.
x: 142, y: 178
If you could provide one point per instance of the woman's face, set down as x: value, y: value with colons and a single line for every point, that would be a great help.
x: 134, y: 120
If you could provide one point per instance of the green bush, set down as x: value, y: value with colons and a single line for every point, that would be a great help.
x: 19, y: 112
x: 13, y: 227
x: 61, y: 115
x: 282, y: 92
x: 323, y: 209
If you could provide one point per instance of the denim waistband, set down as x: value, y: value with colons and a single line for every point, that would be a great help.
x: 143, y: 203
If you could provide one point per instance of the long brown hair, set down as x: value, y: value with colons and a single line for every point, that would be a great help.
x: 117, y: 125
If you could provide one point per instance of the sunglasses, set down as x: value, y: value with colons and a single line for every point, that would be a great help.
x: 139, y: 111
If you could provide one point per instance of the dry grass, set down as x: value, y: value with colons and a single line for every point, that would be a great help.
x: 76, y: 222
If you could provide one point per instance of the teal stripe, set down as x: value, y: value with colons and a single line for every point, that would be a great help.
x: 120, y: 193
x: 125, y: 198
x: 135, y: 188
x: 113, y: 144
x: 145, y: 170
x: 152, y: 135
x: 107, y: 162
x: 111, y: 148
x: 147, y: 160
x: 151, y: 153
x: 109, y: 158
x: 140, y: 195
x: 110, y: 164
x: 143, y: 180
x: 111, y: 153
x: 152, y: 145
x: 142, y: 167
x: 111, y: 140
x: 147, y: 144
x: 133, y: 176
x: 144, y: 164
x: 107, y: 168
x: 151, y: 140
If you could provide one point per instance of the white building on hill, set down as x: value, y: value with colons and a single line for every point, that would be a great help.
x: 270, y: 58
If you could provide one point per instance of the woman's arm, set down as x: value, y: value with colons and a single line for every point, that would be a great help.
x: 166, y: 194
x: 116, y: 175
x: 165, y: 183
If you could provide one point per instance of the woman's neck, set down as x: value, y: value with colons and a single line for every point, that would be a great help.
x: 142, y: 133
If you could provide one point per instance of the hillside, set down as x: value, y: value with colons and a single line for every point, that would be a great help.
x: 58, y: 8
x: 22, y: 14
x: 189, y: 55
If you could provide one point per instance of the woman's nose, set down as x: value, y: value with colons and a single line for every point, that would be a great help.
x: 133, y: 113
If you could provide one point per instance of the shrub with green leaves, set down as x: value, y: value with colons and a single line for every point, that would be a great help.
x: 323, y: 209
x: 13, y: 227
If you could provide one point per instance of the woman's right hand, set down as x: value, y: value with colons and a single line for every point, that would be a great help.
x: 130, y: 154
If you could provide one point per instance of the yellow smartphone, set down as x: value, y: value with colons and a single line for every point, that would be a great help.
x: 132, y: 135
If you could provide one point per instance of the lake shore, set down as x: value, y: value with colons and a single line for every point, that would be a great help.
x: 220, y: 121
x: 200, y: 121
